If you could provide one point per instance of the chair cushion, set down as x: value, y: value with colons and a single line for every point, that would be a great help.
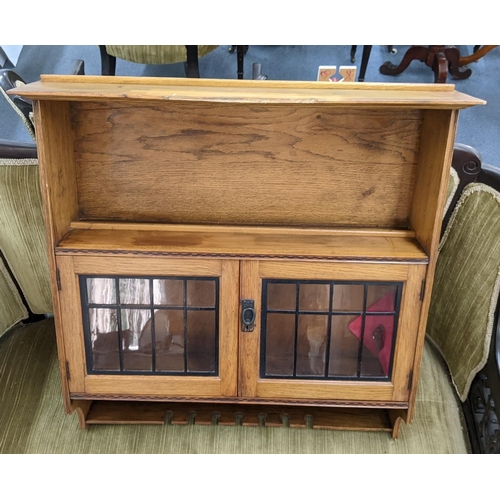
x: 12, y: 309
x: 32, y: 419
x: 155, y: 54
x: 466, y: 285
x: 22, y: 231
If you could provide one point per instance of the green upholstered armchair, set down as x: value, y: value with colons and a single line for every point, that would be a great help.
x: 462, y: 324
x: 155, y: 54
x: 464, y: 313
x: 24, y: 285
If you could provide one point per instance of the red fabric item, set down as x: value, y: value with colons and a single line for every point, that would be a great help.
x: 378, y: 330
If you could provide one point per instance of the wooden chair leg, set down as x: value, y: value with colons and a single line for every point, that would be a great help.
x: 108, y: 62
x: 191, y: 64
x: 241, y: 50
x: 367, y: 49
x: 353, y: 53
x: 479, y: 51
x: 78, y: 68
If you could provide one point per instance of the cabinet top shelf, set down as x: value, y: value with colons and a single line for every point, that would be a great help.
x: 103, y: 88
x: 242, y: 242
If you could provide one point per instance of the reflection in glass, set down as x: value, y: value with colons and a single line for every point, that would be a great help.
x: 348, y: 298
x: 201, y: 330
x: 134, y: 291
x: 169, y: 337
x: 344, y: 348
x: 377, y: 347
x: 168, y: 292
x: 201, y: 293
x: 281, y: 296
x: 136, y: 339
x: 314, y: 297
x: 101, y: 291
x: 103, y: 326
x: 381, y: 298
x: 311, y: 348
x: 280, y: 340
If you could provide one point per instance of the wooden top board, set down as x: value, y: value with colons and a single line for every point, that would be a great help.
x: 104, y: 88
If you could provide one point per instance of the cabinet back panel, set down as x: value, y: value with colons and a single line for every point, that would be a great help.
x: 245, y: 164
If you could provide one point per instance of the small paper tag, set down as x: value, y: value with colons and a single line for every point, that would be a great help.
x: 348, y: 73
x: 326, y: 73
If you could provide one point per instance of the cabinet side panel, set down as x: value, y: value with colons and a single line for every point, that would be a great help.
x: 57, y: 167
x: 433, y: 170
x: 294, y: 164
x: 59, y: 195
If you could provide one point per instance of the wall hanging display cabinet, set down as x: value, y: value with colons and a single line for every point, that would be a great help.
x: 242, y: 251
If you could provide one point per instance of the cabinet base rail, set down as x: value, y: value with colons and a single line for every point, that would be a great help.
x: 306, y: 417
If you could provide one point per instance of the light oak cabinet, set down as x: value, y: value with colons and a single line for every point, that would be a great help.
x: 233, y: 251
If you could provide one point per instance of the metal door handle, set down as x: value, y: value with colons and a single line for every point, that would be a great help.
x: 247, y: 315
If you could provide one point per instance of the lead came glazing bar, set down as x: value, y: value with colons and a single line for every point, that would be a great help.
x: 296, y: 333
x: 153, y: 333
x: 184, y: 290
x: 362, y: 336
x: 329, y: 333
x: 119, y: 322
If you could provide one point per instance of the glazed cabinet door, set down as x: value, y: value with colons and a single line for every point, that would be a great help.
x: 149, y: 327
x: 329, y: 331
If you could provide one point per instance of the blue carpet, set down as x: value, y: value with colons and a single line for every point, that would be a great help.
x: 479, y: 127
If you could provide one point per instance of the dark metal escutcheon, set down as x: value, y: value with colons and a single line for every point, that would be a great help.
x: 247, y: 315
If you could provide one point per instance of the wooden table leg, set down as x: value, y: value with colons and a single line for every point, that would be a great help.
x: 440, y: 58
x: 414, y: 52
x: 439, y: 65
x: 453, y: 56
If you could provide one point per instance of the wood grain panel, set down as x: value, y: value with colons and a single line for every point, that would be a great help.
x: 72, y: 324
x: 433, y: 170
x: 438, y: 137
x: 235, y: 84
x: 249, y: 354
x: 290, y: 230
x: 331, y: 389
x: 84, y: 88
x: 139, y: 267
x: 229, y: 327
x: 59, y: 195
x: 409, y: 318
x: 245, y: 164
x: 233, y: 245
x: 333, y: 271
x: 141, y: 385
